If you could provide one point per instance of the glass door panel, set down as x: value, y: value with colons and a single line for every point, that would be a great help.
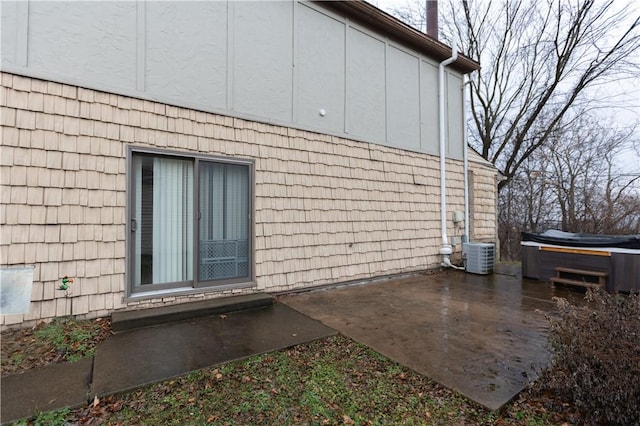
x: 224, y: 221
x: 162, y: 221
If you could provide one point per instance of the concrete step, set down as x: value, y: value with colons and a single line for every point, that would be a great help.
x: 128, y: 320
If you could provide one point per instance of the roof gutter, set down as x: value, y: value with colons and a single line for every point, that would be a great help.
x: 372, y: 17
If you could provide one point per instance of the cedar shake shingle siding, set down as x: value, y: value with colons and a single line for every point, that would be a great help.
x: 327, y: 209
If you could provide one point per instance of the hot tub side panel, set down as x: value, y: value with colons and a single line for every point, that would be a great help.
x: 625, y: 274
x: 549, y: 260
x: 530, y: 262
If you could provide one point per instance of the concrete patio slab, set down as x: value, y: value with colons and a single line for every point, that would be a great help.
x: 134, y: 358
x: 483, y: 336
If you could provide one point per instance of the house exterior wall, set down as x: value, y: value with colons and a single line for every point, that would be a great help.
x: 327, y: 209
x: 483, y: 199
x: 279, y: 62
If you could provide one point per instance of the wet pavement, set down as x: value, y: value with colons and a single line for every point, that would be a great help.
x: 44, y: 389
x: 134, y: 358
x: 156, y: 353
x: 483, y: 336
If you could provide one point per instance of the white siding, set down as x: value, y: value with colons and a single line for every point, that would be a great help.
x: 89, y: 42
x: 9, y: 27
x: 186, y: 54
x: 321, y: 70
x: 454, y: 120
x: 273, y: 61
x: 403, y: 103
x: 366, y: 87
x: 429, y: 107
x: 263, y: 59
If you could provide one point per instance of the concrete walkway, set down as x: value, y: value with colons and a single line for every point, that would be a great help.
x: 483, y: 336
x: 134, y: 358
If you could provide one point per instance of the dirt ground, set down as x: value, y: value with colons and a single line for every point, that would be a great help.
x: 61, y: 341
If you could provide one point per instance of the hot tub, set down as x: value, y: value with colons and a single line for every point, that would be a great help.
x: 617, y: 255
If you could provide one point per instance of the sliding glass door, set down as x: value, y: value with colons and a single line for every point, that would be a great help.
x: 224, y: 232
x: 166, y: 216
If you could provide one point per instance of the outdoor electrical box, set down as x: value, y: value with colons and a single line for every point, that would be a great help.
x: 458, y: 217
x: 479, y: 258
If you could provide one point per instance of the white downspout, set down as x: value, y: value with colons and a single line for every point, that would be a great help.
x: 445, y: 248
x: 465, y: 141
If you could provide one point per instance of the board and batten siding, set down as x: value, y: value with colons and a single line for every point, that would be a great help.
x: 279, y: 62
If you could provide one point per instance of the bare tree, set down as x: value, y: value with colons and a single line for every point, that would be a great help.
x: 592, y: 194
x: 573, y: 184
x: 540, y: 61
x: 525, y: 203
x: 412, y: 12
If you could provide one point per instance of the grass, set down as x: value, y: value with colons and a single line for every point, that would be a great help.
x: 331, y: 381
x: 67, y: 339
x: 61, y: 340
x: 50, y: 418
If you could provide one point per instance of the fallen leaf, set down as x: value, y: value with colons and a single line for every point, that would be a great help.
x: 347, y: 420
x: 223, y: 317
x: 96, y: 401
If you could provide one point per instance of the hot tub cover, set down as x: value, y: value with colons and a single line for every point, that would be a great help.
x: 560, y: 238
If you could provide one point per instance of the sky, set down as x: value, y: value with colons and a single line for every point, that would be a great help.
x: 630, y: 159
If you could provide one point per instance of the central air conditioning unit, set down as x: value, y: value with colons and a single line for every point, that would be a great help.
x: 479, y: 258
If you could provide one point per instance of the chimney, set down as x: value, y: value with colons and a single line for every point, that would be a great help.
x: 432, y: 18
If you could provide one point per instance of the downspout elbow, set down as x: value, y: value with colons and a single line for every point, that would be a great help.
x: 446, y: 263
